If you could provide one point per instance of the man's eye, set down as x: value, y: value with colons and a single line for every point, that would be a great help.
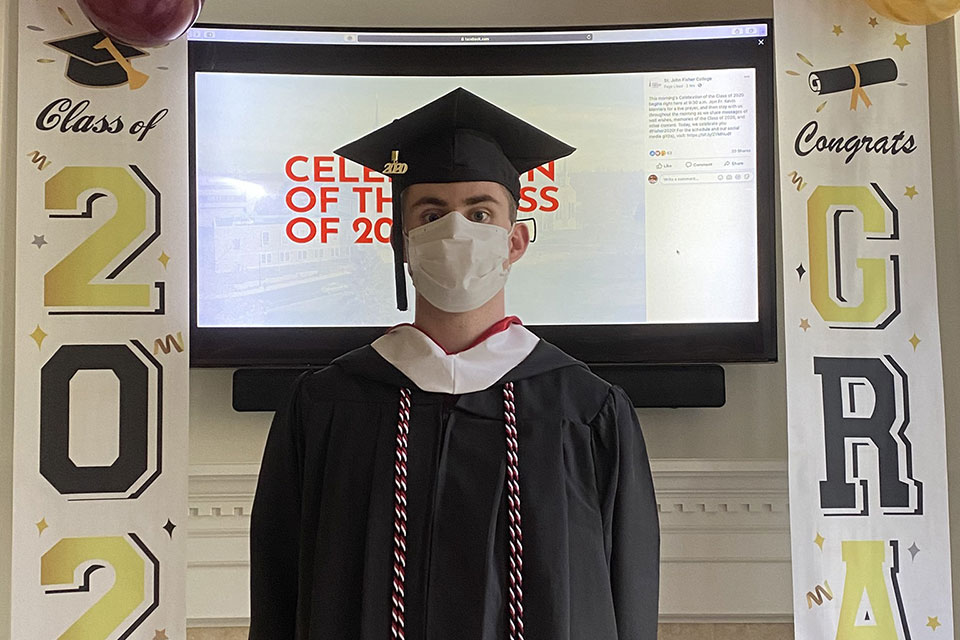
x: 480, y: 215
x: 430, y: 216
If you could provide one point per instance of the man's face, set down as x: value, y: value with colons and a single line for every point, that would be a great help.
x: 483, y: 202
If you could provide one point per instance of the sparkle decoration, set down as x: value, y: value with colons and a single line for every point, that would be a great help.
x: 819, y: 540
x: 821, y: 106
x: 791, y: 72
x: 804, y: 59
x: 804, y: 324
x: 63, y: 14
x: 914, y: 340
x: 161, y: 634
x: 41, y: 526
x: 163, y: 259
x: 873, y: 21
x: 169, y: 527
x: 45, y: 60
x: 34, y: 27
x: 933, y: 622
x: 911, y: 191
x: 914, y: 550
x: 901, y: 40
x: 38, y: 335
x: 39, y: 241
x: 800, y: 271
x: 837, y: 30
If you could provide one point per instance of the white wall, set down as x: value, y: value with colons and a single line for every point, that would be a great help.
x: 8, y: 105
x: 945, y: 140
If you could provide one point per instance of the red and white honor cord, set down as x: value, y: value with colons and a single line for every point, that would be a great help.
x: 515, y: 602
x: 400, y: 515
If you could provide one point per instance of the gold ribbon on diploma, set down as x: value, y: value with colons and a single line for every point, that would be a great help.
x: 858, y: 93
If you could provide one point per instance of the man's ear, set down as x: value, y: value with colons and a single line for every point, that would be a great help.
x: 519, y: 241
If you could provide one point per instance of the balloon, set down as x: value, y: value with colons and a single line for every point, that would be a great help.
x: 142, y: 23
x: 917, y: 12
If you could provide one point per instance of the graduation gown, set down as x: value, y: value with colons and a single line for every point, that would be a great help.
x: 324, y: 521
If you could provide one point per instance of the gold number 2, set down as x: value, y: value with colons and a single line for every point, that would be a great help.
x: 69, y: 282
x: 58, y: 567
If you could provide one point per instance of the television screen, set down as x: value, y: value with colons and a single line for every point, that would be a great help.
x: 653, y: 242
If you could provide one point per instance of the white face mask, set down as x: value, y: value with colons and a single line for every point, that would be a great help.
x: 456, y: 264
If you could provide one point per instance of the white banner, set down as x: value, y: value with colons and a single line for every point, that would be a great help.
x: 100, y: 440
x: 868, y: 491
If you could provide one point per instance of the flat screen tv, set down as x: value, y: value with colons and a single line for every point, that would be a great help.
x: 653, y: 243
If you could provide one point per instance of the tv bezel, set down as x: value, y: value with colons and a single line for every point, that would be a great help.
x: 594, y: 344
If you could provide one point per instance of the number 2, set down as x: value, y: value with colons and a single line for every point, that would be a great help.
x: 70, y: 282
x: 58, y: 566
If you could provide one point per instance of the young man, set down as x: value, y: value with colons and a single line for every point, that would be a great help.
x: 459, y: 478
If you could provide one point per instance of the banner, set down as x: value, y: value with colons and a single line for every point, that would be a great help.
x: 868, y: 497
x: 100, y: 440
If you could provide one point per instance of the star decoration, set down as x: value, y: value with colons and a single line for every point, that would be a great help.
x: 914, y: 341
x: 161, y: 634
x: 804, y: 324
x: 901, y: 40
x: 41, y: 526
x: 164, y: 259
x: 837, y: 30
x: 38, y: 335
x: 169, y: 527
x: 819, y: 540
x: 933, y: 623
x: 872, y: 21
x: 800, y: 271
x: 914, y: 550
x: 39, y: 241
x: 910, y: 192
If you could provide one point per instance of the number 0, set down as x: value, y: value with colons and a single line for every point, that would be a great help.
x: 132, y: 462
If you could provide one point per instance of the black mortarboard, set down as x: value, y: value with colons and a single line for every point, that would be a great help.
x: 95, y: 67
x: 459, y: 137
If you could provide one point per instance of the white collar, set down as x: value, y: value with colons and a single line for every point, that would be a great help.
x: 423, y: 361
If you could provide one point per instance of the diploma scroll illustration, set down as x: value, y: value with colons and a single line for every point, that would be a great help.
x: 855, y: 77
x: 843, y: 78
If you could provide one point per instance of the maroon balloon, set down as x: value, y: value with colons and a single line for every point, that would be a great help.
x: 142, y: 23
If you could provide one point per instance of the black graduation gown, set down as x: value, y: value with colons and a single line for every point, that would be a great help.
x: 321, y: 534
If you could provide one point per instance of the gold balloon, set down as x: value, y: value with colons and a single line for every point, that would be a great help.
x: 917, y: 12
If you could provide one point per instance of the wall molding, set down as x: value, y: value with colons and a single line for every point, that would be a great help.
x: 722, y: 522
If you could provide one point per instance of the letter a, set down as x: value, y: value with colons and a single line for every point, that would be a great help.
x: 865, y: 590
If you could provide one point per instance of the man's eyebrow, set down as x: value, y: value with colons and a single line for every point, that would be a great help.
x: 481, y: 198
x: 429, y: 200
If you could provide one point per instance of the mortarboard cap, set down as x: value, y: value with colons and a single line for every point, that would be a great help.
x: 459, y: 137
x: 93, y: 66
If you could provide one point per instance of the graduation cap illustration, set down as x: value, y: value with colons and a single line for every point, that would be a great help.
x: 459, y: 137
x: 97, y: 61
